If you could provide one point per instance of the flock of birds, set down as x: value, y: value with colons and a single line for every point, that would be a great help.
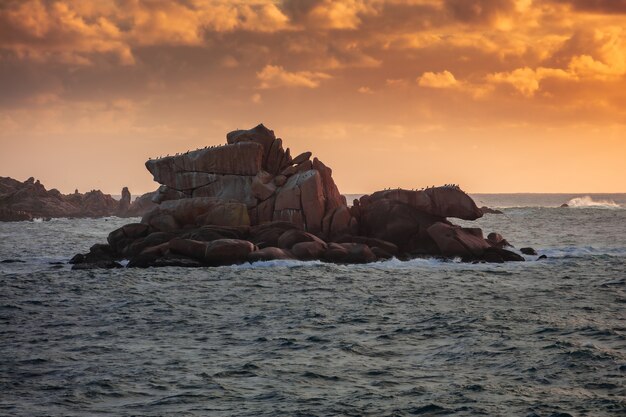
x: 185, y: 153
x: 454, y: 186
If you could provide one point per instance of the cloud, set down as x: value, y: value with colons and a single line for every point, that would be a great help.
x: 272, y: 76
x: 74, y: 31
x: 329, y: 14
x: 365, y: 90
x: 443, y: 79
x: 527, y: 80
x: 40, y: 31
x: 597, y: 6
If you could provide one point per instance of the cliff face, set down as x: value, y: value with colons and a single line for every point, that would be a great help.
x: 257, y: 177
x: 30, y: 199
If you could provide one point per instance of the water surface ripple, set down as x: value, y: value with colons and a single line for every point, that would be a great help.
x: 289, y: 338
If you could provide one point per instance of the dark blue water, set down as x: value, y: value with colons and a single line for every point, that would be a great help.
x: 423, y: 337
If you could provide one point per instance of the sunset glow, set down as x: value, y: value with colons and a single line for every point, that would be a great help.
x: 495, y: 95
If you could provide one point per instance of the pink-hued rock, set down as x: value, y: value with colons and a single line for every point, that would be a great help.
x: 265, y: 210
x: 337, y: 222
x: 280, y: 180
x: 259, y: 134
x: 228, y: 251
x: 397, y: 222
x: 307, y: 251
x: 30, y: 199
x: 302, y: 192
x: 290, y: 215
x: 243, y: 158
x: 332, y: 196
x: 216, y: 252
x: 269, y: 254
x: 262, y: 187
x: 199, y: 211
x: 142, y: 205
x: 452, y: 202
x: 437, y: 201
x: 372, y: 242
x: 293, y: 236
x: 354, y: 253
x: 286, y: 160
x: 294, y: 169
x: 124, y: 203
x: 165, y: 193
x: 304, y: 156
x: 229, y: 187
x: 267, y: 234
x: 274, y: 157
x: 458, y: 241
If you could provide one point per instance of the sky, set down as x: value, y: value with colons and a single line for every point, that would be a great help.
x: 493, y: 95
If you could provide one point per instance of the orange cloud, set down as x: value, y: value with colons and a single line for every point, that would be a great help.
x: 272, y: 76
x: 443, y: 79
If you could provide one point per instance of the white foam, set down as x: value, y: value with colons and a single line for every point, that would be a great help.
x: 588, y: 202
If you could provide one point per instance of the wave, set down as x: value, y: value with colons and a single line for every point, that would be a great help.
x: 582, y: 252
x: 588, y: 202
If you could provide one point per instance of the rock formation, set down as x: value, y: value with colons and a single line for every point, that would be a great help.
x: 30, y: 199
x: 250, y: 200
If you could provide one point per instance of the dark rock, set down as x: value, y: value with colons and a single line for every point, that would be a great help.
x: 29, y: 199
x: 12, y: 261
x: 307, y: 251
x: 381, y: 253
x: 124, y: 203
x: 564, y: 205
x: 506, y: 255
x: 487, y: 210
x: 269, y: 254
x: 496, y: 240
x: 97, y: 265
x: 458, y: 241
x: 528, y: 251
x: 214, y: 253
x: 542, y: 257
x: 291, y: 237
x: 353, y: 253
x: 267, y: 234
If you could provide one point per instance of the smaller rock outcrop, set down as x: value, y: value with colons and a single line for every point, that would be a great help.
x: 29, y: 199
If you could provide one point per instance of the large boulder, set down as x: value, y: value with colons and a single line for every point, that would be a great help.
x: 293, y: 236
x: 301, y: 200
x: 214, y: 253
x: 399, y: 223
x: 125, y: 235
x: 125, y: 200
x: 437, y: 201
x: 308, y: 251
x: 458, y: 241
x: 237, y: 159
x: 352, y: 253
x: 194, y: 212
x: 269, y: 254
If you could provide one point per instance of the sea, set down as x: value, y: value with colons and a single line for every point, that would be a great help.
x: 425, y: 337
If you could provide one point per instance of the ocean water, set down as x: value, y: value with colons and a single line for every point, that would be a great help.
x: 424, y: 337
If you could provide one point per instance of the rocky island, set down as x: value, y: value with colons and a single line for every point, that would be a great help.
x: 29, y: 200
x: 250, y: 200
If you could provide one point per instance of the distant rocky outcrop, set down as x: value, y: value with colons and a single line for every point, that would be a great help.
x: 250, y: 200
x: 489, y: 210
x: 29, y: 199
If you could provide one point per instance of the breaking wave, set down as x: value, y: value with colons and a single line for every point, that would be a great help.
x: 588, y: 202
